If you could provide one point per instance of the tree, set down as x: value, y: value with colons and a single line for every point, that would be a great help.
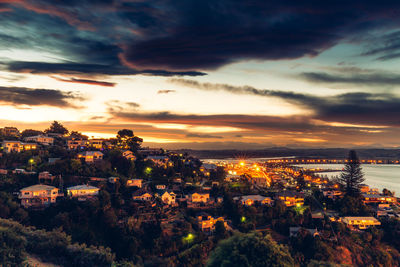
x: 352, y: 176
x: 30, y: 132
x: 78, y: 135
x: 252, y: 249
x: 58, y: 128
x: 127, y: 140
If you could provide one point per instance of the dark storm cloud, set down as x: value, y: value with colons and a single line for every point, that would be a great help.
x: 189, y: 35
x: 357, y: 108
x: 384, y: 47
x: 38, y: 97
x: 94, y: 69
x: 210, y: 34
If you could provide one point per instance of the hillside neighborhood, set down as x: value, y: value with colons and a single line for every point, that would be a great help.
x: 153, y: 206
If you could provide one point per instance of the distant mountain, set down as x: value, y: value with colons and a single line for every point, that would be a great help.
x: 370, y: 153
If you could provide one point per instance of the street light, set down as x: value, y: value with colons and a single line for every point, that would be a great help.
x: 31, y: 161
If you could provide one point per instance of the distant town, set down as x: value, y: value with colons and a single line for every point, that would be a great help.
x: 138, y: 206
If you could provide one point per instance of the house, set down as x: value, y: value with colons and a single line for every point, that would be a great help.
x: 364, y: 188
x: 74, y: 144
x: 41, y: 139
x: 90, y: 156
x: 128, y: 155
x: 9, y: 131
x: 96, y: 143
x: 250, y: 200
x: 332, y: 193
x: 168, y: 197
x: 19, y: 171
x: 199, y: 197
x: 377, y: 198
x: 17, y: 146
x: 207, y: 223
x: 177, y: 180
x: 294, y: 231
x: 38, y: 196
x: 83, y: 191
x: 45, y: 176
x: 158, y: 160
x: 142, y: 195
x: 291, y: 198
x: 206, y: 168
x: 161, y: 187
x: 360, y: 222
x: 134, y: 182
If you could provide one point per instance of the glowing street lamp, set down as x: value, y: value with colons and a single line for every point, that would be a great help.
x: 241, y: 163
x: 147, y: 171
x: 31, y: 161
x: 189, y: 238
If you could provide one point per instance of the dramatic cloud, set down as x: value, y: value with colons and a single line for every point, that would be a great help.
x: 297, y: 98
x: 190, y: 35
x: 38, y: 97
x: 94, y: 69
x: 203, y: 37
x: 357, y: 108
x: 365, y: 79
x: 385, y: 47
x: 85, y: 81
x: 193, y: 135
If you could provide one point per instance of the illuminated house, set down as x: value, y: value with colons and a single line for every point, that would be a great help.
x: 206, y: 168
x: 158, y: 160
x: 75, y: 144
x: 96, y: 143
x: 332, y: 193
x: 17, y: 146
x: 360, y: 222
x: 364, y: 188
x: 134, y: 182
x: 38, y: 196
x: 142, y: 195
x: 198, y: 197
x: 168, y: 197
x: 85, y: 191
x: 376, y: 198
x: 291, y: 198
x: 128, y: 155
x: 250, y: 200
x: 207, y: 223
x: 90, y: 156
x: 41, y: 139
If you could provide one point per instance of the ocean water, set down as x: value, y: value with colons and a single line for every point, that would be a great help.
x: 376, y: 175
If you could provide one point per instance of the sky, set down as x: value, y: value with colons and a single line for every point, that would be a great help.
x: 210, y: 74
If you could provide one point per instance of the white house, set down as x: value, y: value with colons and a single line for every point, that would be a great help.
x: 91, y: 156
x: 82, y: 191
x: 41, y: 139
